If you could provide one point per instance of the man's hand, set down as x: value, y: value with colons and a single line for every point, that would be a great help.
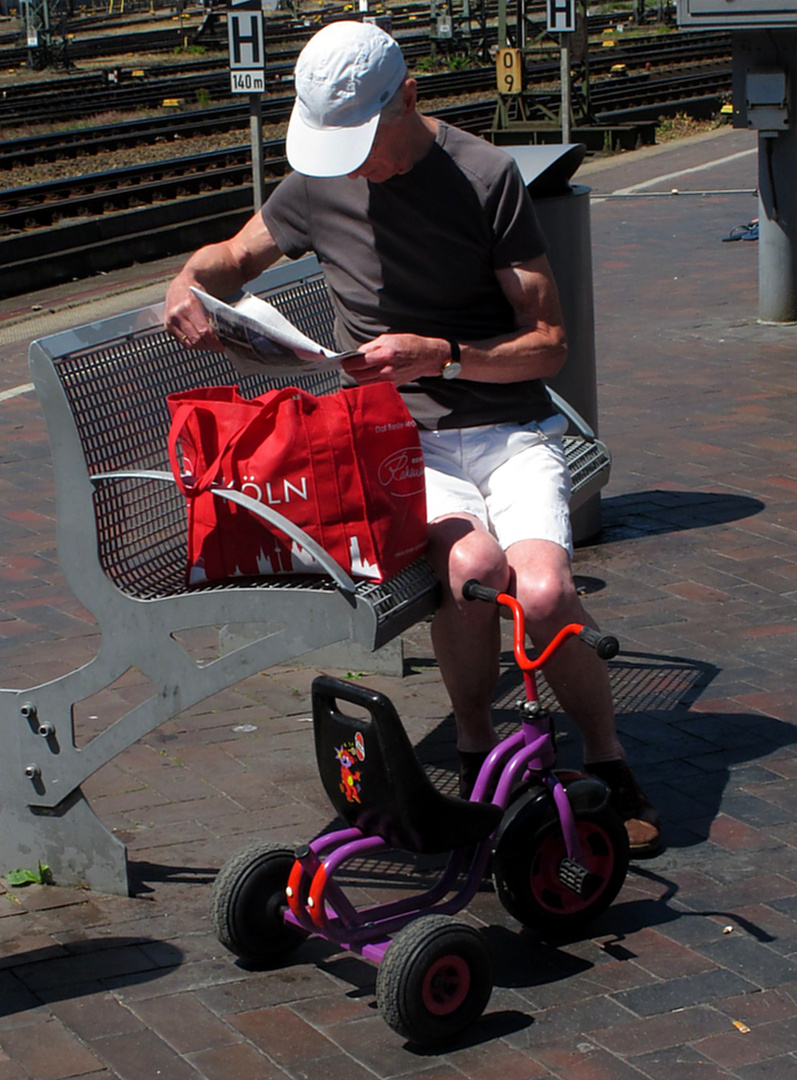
x: 536, y: 349
x: 185, y: 319
x: 218, y: 269
x: 397, y: 358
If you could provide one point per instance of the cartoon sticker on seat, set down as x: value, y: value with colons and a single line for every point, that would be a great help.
x: 348, y: 755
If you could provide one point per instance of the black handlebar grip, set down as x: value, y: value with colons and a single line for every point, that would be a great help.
x: 605, y: 645
x: 472, y: 590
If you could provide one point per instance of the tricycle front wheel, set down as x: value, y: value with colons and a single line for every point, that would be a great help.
x: 531, y: 887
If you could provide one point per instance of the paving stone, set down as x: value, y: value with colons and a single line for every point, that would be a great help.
x: 92, y: 1013
x: 747, y: 1044
x: 585, y: 1060
x: 774, y: 1069
x: 484, y: 1062
x: 142, y: 1055
x: 49, y: 1051
x: 184, y: 1023
x: 681, y: 1063
x: 551, y: 1025
x: 662, y: 1031
x: 752, y: 960
x: 681, y: 993
x: 375, y: 1047
x: 11, y: 1070
x: 98, y: 963
x: 287, y: 1038
x: 239, y: 1061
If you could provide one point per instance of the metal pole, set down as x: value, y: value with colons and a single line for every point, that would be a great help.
x: 256, y: 130
x: 777, y: 186
x: 564, y: 74
x: 777, y: 227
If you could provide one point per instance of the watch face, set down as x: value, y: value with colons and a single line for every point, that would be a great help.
x: 451, y: 369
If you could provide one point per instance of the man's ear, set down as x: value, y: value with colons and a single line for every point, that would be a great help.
x: 409, y: 95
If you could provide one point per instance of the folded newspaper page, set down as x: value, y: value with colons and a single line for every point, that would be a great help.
x: 259, y: 339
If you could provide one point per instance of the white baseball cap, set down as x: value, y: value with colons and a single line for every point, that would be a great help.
x: 344, y: 76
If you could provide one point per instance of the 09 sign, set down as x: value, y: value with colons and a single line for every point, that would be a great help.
x: 508, y: 70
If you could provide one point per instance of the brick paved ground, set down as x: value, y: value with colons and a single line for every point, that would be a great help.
x: 693, y: 972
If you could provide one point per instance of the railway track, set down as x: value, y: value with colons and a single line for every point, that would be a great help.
x: 80, y: 95
x: 234, y: 114
x: 53, y: 202
x: 45, y: 204
x: 275, y: 109
x: 74, y: 227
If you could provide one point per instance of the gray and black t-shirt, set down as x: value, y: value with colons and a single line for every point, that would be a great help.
x: 418, y: 254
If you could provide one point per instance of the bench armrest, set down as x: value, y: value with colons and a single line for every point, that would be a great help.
x: 575, y: 417
x: 330, y: 565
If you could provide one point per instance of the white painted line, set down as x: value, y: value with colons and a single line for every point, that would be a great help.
x: 16, y: 391
x: 666, y: 177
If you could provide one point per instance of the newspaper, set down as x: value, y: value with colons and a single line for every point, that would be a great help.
x: 258, y: 339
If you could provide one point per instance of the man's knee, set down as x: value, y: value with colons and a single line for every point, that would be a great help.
x: 484, y: 562
x: 548, y: 598
x: 461, y: 549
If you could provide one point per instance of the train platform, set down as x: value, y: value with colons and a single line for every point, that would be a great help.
x: 692, y: 973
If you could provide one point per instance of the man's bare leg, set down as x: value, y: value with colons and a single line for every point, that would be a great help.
x: 544, y: 586
x: 543, y: 583
x: 467, y: 636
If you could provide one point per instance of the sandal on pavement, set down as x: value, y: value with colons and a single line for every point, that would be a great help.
x: 642, y: 821
x: 743, y: 232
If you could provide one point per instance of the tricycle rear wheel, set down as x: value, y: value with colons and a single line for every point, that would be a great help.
x: 434, y: 980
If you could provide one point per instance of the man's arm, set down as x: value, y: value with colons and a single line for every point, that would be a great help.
x: 218, y: 269
x: 536, y: 349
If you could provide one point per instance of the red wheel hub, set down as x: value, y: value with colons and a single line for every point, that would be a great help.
x: 546, y: 887
x: 446, y: 985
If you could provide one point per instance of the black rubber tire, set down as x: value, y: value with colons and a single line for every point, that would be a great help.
x: 434, y: 980
x: 527, y: 882
x: 247, y: 902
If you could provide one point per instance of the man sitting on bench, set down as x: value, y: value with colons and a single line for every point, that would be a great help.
x: 437, y: 269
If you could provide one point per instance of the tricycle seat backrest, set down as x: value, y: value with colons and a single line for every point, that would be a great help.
x: 376, y: 783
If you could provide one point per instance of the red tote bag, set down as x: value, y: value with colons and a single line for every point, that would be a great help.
x: 347, y: 468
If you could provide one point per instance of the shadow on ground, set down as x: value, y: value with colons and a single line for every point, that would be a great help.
x: 59, y: 973
x: 653, y: 513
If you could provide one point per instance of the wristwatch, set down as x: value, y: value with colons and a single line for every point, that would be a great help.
x: 453, y: 366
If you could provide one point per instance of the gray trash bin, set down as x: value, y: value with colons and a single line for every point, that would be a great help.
x: 563, y: 210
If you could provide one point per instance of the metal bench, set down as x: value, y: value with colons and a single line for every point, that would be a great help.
x: 121, y: 546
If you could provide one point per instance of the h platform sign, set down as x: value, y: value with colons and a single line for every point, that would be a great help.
x: 247, y: 51
x: 561, y: 16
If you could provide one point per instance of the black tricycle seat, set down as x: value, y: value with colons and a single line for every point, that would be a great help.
x: 374, y: 779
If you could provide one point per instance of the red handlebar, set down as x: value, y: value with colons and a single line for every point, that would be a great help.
x: 605, y: 645
x: 524, y: 662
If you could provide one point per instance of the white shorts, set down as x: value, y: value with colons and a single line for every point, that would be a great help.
x: 513, y: 478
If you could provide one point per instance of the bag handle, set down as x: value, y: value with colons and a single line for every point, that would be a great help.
x: 187, y: 408
x: 201, y: 483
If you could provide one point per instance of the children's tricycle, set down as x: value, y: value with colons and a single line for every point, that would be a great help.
x: 559, y: 853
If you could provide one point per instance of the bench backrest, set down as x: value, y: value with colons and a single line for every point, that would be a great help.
x: 115, y: 391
